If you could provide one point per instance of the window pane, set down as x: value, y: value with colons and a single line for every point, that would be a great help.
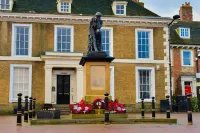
x: 63, y: 39
x: 144, y: 84
x: 187, y: 57
x: 143, y: 44
x: 106, y: 40
x: 21, y: 40
x: 21, y: 81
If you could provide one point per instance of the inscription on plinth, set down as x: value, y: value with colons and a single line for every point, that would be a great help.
x: 97, y: 77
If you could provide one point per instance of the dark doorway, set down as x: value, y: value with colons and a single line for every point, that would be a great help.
x: 63, y: 89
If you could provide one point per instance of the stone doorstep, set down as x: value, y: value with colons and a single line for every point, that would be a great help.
x: 101, y: 121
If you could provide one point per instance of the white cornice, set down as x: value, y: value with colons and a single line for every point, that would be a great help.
x: 11, y: 58
x: 184, y: 46
x: 79, y: 19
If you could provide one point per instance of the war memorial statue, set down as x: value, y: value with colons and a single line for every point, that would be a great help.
x: 94, y: 36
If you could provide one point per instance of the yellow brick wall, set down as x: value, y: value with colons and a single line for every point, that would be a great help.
x: 43, y: 40
x: 37, y: 80
x: 125, y: 82
x: 124, y: 48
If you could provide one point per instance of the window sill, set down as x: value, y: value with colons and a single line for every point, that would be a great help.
x: 145, y: 101
x: 187, y: 66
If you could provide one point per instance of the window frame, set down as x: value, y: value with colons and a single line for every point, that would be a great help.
x: 184, y: 37
x: 72, y: 36
x: 10, y: 6
x: 64, y: 1
x: 12, y: 66
x: 110, y: 38
x: 191, y: 56
x: 152, y: 69
x: 151, y: 41
x: 29, y: 42
x: 120, y: 4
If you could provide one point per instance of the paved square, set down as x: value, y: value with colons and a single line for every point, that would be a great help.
x: 8, y: 125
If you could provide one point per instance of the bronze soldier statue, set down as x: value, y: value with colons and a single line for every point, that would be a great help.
x: 94, y: 42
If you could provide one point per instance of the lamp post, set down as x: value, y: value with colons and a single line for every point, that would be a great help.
x: 175, y: 17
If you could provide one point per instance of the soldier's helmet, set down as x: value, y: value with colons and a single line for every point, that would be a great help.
x: 98, y: 14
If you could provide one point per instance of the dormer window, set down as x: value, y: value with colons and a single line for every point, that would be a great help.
x: 119, y: 7
x: 6, y: 4
x: 64, y: 6
x: 184, y: 32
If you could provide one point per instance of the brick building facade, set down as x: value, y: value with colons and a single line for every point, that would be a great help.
x: 39, y: 50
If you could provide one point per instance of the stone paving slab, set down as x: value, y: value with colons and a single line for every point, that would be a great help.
x: 8, y: 125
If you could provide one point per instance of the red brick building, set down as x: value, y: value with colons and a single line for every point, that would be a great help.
x: 185, y: 40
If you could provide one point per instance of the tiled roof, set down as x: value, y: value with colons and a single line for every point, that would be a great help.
x: 194, y: 33
x: 84, y: 7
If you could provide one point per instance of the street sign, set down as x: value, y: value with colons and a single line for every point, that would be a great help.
x: 197, y: 75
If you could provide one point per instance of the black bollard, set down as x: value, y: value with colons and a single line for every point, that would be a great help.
x: 34, y: 104
x: 168, y: 108
x: 30, y: 108
x: 189, y: 109
x: 106, y: 109
x: 19, y: 110
x: 153, y: 108
x: 142, y: 108
x: 26, y: 109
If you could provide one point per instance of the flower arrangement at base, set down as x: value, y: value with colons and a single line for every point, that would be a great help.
x: 81, y: 107
x: 113, y: 106
x: 98, y: 104
x: 116, y: 107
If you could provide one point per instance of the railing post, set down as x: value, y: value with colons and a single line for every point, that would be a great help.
x: 106, y: 109
x: 34, y: 104
x: 168, y: 108
x: 19, y: 110
x: 30, y: 108
x: 189, y: 109
x: 142, y: 108
x: 153, y: 108
x: 26, y: 109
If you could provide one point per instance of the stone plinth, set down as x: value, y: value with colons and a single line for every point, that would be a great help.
x: 96, y: 75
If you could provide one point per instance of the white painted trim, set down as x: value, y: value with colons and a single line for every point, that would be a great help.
x: 10, y: 58
x: 132, y: 61
x: 72, y: 36
x: 12, y: 66
x: 29, y: 43
x: 184, y: 36
x: 112, y: 82
x: 63, y: 54
x: 111, y: 39
x: 189, y: 79
x: 114, y: 5
x: 151, y: 46
x: 59, y: 5
x: 55, y: 74
x: 192, y: 58
x: 152, y: 82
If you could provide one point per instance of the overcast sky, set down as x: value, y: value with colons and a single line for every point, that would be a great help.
x: 168, y: 8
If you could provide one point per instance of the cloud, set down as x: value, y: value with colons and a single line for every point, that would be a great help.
x: 196, y: 16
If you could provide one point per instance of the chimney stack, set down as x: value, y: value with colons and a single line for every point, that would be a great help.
x: 138, y: 2
x: 186, y: 12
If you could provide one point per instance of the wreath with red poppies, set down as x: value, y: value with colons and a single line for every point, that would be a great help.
x: 81, y: 107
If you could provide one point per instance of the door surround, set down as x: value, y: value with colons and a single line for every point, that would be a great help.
x: 189, y: 79
x: 71, y: 73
